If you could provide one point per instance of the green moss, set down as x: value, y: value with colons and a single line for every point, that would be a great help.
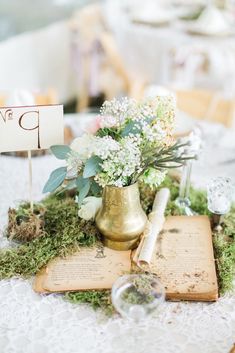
x: 197, y: 197
x: 64, y: 233
x: 141, y: 292
x: 224, y: 248
x: 97, y: 299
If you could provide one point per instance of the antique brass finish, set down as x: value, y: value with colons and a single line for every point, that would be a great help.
x: 121, y: 219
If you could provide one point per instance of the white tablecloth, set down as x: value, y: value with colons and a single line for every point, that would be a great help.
x: 33, y: 323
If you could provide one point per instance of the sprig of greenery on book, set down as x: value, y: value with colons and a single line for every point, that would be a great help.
x: 63, y: 233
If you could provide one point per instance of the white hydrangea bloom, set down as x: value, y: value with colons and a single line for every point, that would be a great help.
x: 121, y: 164
x: 108, y: 121
x: 120, y: 109
x: 104, y: 146
x: 154, y: 133
x: 153, y: 177
x: 82, y: 145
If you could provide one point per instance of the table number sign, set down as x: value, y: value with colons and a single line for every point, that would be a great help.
x: 31, y: 127
x: 28, y: 128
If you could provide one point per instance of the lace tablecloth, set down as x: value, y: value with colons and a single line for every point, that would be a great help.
x: 32, y: 323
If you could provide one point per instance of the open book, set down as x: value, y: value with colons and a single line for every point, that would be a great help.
x: 182, y: 258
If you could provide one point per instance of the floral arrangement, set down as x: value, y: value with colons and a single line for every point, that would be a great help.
x: 129, y: 141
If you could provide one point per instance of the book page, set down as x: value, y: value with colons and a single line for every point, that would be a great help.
x: 89, y: 268
x: 184, y: 260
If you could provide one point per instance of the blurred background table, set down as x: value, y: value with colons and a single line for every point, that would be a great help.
x: 100, y: 52
x: 168, y: 54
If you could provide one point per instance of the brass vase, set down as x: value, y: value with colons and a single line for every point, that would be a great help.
x: 121, y: 219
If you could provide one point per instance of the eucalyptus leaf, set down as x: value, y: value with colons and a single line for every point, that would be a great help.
x: 70, y: 186
x: 81, y: 182
x: 95, y: 188
x: 92, y: 167
x: 60, y: 151
x: 84, y: 191
x: 55, y: 180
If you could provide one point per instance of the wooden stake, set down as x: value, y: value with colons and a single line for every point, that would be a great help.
x: 30, y: 181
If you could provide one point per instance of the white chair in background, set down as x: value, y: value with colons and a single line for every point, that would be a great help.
x: 97, y: 62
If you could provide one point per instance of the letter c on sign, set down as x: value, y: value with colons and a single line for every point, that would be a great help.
x: 31, y: 129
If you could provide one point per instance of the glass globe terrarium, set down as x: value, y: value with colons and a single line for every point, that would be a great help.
x: 137, y: 296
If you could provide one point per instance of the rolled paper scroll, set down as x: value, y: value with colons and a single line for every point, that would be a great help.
x: 154, y: 226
